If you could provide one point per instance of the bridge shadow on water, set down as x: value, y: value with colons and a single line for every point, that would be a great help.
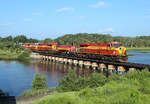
x: 6, y: 99
x: 56, y: 67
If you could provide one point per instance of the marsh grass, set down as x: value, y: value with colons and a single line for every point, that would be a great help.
x: 131, y: 54
x: 138, y: 48
x: 145, y: 51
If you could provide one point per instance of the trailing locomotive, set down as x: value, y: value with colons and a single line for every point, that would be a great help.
x: 108, y: 51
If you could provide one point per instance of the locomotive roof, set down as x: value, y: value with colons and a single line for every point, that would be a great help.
x: 106, y: 43
x: 48, y: 43
x: 96, y: 44
x: 65, y: 46
x: 89, y: 44
x: 28, y: 43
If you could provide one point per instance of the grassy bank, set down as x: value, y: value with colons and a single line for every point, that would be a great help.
x: 29, y: 93
x: 131, y: 88
x: 13, y: 54
x: 8, y: 54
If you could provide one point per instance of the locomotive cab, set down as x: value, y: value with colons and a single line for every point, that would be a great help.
x: 119, y: 48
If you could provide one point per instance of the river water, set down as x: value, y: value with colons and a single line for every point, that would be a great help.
x: 16, y: 76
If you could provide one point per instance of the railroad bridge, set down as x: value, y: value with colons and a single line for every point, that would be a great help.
x: 117, y: 67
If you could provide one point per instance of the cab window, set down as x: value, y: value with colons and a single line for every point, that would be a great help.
x: 109, y: 45
x: 117, y: 45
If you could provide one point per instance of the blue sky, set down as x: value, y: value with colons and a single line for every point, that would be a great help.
x: 53, y: 18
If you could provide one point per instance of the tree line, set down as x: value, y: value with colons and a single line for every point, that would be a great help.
x: 74, y: 39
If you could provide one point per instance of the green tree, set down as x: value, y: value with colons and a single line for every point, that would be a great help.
x: 31, y: 40
x: 68, y: 83
x: 20, y: 39
x: 72, y: 82
x: 47, y: 40
x: 8, y: 38
x: 39, y: 82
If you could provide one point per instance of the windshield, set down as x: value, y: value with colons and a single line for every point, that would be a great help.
x: 117, y: 45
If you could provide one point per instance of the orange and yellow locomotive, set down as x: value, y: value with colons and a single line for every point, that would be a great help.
x: 108, y: 48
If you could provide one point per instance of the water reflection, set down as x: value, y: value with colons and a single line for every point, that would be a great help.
x: 55, y: 68
x: 16, y: 76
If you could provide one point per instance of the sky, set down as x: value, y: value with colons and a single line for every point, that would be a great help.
x: 53, y: 18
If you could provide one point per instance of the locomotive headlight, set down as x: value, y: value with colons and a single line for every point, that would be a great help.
x: 114, y: 52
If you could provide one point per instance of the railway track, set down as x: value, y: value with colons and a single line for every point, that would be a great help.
x: 124, y: 64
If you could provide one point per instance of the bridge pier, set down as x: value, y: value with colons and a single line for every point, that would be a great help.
x: 53, y: 59
x: 102, y: 67
x: 87, y: 64
x: 121, y: 70
x: 94, y: 65
x: 49, y: 58
x: 57, y: 59
x: 111, y: 68
x: 43, y: 57
x: 66, y: 60
x: 61, y: 60
x: 70, y: 61
x: 81, y: 63
x: 75, y: 62
x: 131, y: 69
x: 46, y: 58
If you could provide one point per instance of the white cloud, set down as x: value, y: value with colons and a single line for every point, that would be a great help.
x: 98, y: 5
x: 64, y: 9
x: 107, y: 30
x: 27, y: 19
x: 5, y: 25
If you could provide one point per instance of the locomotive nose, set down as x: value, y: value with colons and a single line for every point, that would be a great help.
x: 123, y: 51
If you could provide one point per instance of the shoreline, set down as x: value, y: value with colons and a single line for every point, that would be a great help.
x: 7, y: 57
x: 139, y: 48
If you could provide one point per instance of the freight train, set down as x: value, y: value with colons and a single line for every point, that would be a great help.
x: 105, y: 51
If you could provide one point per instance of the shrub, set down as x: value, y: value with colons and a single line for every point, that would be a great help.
x: 97, y: 79
x: 139, y: 75
x: 72, y: 82
x: 145, y: 86
x: 68, y: 83
x: 39, y: 82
